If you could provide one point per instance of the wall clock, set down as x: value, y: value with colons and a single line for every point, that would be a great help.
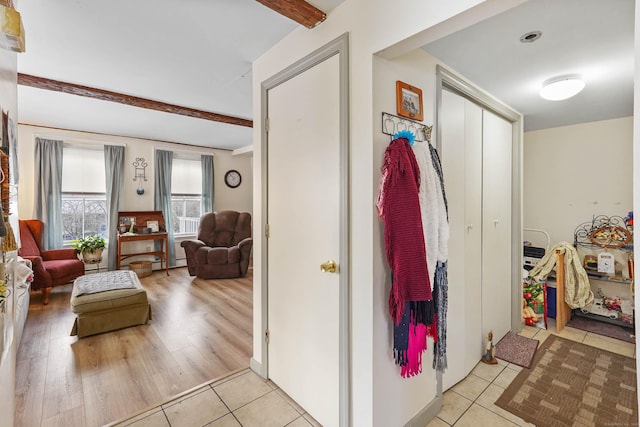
x: 232, y: 178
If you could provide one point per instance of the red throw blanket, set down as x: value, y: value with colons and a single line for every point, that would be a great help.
x: 399, y: 208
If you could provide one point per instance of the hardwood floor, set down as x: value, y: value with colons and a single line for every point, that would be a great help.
x: 201, y: 330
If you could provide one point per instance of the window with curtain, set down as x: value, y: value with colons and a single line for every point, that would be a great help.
x: 186, y: 195
x: 84, y: 202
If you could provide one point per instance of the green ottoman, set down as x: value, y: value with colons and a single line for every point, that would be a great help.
x: 108, y: 301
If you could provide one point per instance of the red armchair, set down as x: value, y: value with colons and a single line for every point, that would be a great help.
x: 51, y: 267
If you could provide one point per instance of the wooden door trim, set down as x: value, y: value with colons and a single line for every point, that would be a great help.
x: 446, y: 79
x: 339, y: 46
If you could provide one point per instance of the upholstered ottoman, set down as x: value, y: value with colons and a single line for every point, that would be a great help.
x: 108, y: 301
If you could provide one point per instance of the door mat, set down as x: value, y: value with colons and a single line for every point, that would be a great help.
x: 516, y: 349
x: 602, y: 328
x: 573, y: 384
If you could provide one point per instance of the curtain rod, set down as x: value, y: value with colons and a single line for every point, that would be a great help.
x: 78, y: 141
x: 212, y: 153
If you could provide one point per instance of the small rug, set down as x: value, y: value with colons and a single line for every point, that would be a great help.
x: 573, y: 384
x: 516, y: 349
x: 602, y: 328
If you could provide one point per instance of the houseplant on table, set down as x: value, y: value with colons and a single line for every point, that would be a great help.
x: 90, y: 247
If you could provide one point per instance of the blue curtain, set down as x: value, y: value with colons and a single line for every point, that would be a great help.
x: 47, y: 205
x: 162, y: 196
x: 208, y: 192
x: 114, y: 171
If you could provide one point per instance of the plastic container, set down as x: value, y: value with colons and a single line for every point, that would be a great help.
x: 551, y: 302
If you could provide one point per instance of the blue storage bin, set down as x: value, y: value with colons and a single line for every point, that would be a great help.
x: 551, y: 302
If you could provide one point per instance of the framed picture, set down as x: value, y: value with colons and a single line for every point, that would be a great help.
x: 153, y: 225
x: 409, y: 101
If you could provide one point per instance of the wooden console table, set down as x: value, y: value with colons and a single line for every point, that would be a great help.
x: 141, y: 220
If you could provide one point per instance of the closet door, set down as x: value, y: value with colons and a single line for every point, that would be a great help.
x: 497, y: 136
x: 476, y: 151
x: 461, y: 153
x: 473, y: 233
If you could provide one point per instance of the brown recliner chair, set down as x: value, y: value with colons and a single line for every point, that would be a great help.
x: 51, y: 267
x: 223, y: 248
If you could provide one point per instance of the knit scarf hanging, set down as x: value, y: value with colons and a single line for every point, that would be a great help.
x: 437, y: 166
x: 440, y: 285
x: 440, y: 298
x: 404, y: 241
x: 410, y: 299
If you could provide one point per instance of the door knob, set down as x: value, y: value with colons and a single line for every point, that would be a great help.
x: 329, y: 266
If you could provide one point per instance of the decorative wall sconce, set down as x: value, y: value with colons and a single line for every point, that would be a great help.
x: 139, y: 173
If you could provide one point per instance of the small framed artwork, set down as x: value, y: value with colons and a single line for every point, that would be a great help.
x: 409, y: 101
x: 153, y: 225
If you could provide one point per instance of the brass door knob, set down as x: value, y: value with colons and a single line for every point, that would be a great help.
x: 329, y: 266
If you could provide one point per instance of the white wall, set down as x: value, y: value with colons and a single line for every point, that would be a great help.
x: 240, y: 198
x: 8, y: 104
x: 417, y: 69
x: 572, y: 173
x: 636, y: 159
x: 373, y: 25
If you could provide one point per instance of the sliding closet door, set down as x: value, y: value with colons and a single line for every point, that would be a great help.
x: 461, y: 153
x: 476, y: 149
x: 473, y: 233
x: 497, y: 135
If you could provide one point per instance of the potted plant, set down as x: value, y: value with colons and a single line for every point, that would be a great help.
x: 90, y: 247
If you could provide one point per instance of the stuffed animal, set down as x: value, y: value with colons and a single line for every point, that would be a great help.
x: 530, y: 317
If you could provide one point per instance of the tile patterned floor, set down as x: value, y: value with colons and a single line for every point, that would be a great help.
x: 244, y: 399
x: 471, y: 401
x: 241, y: 399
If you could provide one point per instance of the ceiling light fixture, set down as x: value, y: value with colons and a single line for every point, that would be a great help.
x: 562, y: 87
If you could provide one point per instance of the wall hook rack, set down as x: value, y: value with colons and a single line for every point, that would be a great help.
x: 392, y: 124
x: 140, y: 173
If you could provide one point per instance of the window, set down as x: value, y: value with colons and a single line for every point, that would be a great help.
x: 84, y: 201
x: 186, y: 195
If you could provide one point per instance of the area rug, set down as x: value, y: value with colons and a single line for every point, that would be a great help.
x: 516, y: 349
x: 572, y: 384
x: 602, y: 328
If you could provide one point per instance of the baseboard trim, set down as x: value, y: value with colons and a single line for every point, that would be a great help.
x: 257, y: 367
x: 427, y: 413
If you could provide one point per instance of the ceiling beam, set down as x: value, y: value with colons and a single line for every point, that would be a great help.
x: 134, y: 101
x: 299, y: 10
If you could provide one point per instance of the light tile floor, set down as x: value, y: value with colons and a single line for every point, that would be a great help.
x: 471, y: 401
x: 241, y: 399
x: 244, y: 399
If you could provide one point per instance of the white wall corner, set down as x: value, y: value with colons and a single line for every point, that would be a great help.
x: 257, y: 367
x: 246, y: 150
x: 427, y: 413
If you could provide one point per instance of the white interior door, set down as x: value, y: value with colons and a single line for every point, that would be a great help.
x: 496, y: 239
x: 304, y: 227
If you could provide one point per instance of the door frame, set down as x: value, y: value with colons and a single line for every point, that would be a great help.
x: 452, y: 82
x: 339, y: 46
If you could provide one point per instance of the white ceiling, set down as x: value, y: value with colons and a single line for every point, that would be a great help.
x: 192, y: 53
x: 593, y: 38
x: 198, y: 54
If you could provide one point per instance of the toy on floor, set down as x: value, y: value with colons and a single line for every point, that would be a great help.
x: 488, y: 357
x: 530, y: 317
